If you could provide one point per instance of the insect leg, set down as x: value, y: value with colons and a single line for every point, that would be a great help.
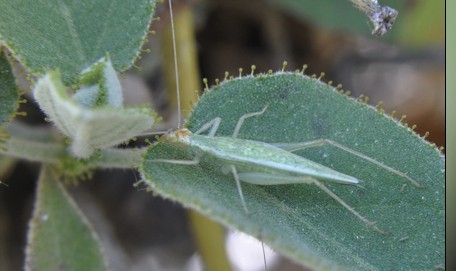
x: 348, y: 207
x: 321, y: 142
x: 243, y: 117
x: 259, y: 178
x: 213, y: 124
x: 238, y: 185
x: 178, y: 162
x: 271, y: 179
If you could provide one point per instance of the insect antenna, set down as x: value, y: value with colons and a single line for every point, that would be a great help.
x: 264, y: 257
x: 176, y: 69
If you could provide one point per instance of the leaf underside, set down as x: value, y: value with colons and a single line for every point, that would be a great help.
x: 71, y: 35
x: 299, y: 220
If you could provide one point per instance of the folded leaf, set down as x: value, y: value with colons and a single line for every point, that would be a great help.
x: 89, y: 128
x: 99, y: 85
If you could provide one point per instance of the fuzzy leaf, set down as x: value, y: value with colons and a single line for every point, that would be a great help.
x: 89, y: 128
x: 59, y: 237
x: 71, y: 35
x: 100, y: 86
x: 9, y: 96
x: 301, y: 221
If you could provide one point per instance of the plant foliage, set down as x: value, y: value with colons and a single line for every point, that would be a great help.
x: 300, y: 220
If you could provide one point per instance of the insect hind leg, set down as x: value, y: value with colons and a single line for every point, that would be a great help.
x: 193, y: 162
x: 270, y: 179
x: 348, y: 207
x: 292, y: 147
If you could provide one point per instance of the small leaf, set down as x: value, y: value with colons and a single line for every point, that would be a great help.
x: 100, y: 86
x: 299, y: 220
x: 60, y: 237
x: 9, y: 96
x: 89, y: 128
x: 71, y: 35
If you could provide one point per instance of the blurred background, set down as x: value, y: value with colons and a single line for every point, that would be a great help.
x: 403, y: 70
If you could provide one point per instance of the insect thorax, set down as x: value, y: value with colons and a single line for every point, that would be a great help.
x: 180, y: 135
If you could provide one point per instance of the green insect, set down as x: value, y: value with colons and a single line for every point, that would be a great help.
x: 263, y: 163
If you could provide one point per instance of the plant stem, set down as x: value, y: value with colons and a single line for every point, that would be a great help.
x: 33, y: 150
x: 37, y: 150
x: 120, y: 158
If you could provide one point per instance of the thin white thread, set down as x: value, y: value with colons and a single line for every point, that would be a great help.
x: 264, y: 257
x: 176, y: 69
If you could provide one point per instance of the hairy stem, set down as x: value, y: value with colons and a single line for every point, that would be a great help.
x: 37, y: 150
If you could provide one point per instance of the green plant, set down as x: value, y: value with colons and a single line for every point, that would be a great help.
x: 82, y: 55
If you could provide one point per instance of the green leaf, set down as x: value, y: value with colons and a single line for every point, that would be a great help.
x: 89, y: 128
x: 60, y: 237
x: 71, y: 35
x: 99, y: 86
x: 299, y: 220
x: 9, y: 96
